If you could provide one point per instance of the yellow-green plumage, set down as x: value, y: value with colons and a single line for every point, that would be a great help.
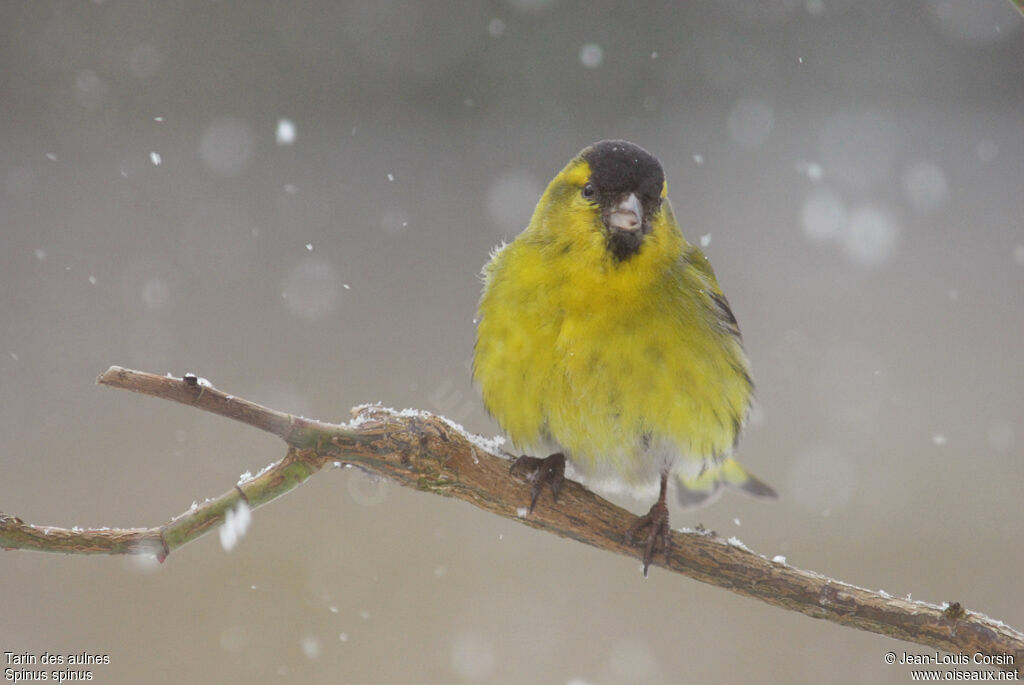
x: 633, y: 367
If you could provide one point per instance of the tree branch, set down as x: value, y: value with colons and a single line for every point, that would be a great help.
x: 429, y: 453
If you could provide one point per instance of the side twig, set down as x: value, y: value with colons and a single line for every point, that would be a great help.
x: 429, y: 453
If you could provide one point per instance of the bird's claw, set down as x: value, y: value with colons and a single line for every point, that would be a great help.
x: 659, y: 533
x: 540, y: 472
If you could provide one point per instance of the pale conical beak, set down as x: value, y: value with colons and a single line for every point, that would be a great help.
x: 627, y: 215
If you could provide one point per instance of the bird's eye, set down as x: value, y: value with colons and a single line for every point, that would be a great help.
x: 589, y: 191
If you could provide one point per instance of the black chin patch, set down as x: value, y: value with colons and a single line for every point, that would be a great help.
x: 624, y: 244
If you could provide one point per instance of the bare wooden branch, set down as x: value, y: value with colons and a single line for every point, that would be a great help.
x: 198, y: 392
x: 429, y: 453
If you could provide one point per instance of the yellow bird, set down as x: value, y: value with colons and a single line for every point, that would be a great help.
x: 603, y: 337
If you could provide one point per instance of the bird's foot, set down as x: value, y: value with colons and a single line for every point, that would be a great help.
x: 540, y: 472
x: 658, y: 532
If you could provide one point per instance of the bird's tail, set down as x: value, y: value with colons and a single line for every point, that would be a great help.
x: 704, y: 489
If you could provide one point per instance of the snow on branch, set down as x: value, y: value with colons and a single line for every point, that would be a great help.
x: 431, y: 454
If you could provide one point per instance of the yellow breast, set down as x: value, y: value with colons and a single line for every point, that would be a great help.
x: 618, y: 364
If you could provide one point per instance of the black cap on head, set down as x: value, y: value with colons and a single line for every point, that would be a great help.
x: 618, y: 166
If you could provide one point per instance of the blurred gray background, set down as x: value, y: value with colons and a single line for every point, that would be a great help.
x: 295, y: 200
